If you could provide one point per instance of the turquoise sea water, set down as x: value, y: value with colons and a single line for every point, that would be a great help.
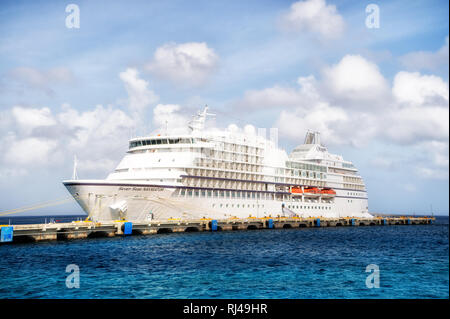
x: 330, y: 262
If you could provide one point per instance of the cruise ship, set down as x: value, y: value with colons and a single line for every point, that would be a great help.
x: 221, y: 174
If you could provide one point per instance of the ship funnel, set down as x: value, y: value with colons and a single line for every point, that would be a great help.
x: 312, y: 138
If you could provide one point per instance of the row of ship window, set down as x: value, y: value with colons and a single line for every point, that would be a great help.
x: 237, y: 195
x: 221, y: 147
x: 212, y: 161
x: 227, y: 152
x: 238, y: 148
x: 354, y: 194
x: 262, y: 206
x: 307, y: 174
x: 301, y: 166
x: 308, y: 207
x: 355, y: 187
x: 352, y: 179
x: 161, y: 141
x: 252, y: 168
x: 225, y: 194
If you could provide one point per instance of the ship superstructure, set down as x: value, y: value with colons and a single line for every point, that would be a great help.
x: 223, y: 174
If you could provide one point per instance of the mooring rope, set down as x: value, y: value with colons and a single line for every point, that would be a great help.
x: 38, y: 205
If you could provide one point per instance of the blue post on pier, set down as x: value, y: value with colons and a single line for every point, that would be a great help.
x: 270, y: 223
x: 214, y: 225
x: 6, y: 234
x: 353, y: 221
x: 128, y: 228
x: 318, y: 222
x: 384, y: 221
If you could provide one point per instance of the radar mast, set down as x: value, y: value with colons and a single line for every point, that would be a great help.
x: 198, y: 122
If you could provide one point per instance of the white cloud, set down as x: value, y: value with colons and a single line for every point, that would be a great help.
x: 30, y: 150
x: 320, y: 117
x: 278, y: 96
x: 139, y: 95
x: 95, y: 127
x: 418, y: 89
x: 96, y: 135
x: 439, y: 150
x: 410, y: 125
x: 168, y: 117
x: 427, y: 60
x: 430, y: 173
x: 99, y: 135
x: 355, y: 78
x: 272, y: 97
x: 421, y: 111
x: 40, y: 137
x: 185, y: 64
x: 354, y: 104
x: 42, y: 80
x: 28, y: 118
x: 96, y: 165
x: 314, y: 16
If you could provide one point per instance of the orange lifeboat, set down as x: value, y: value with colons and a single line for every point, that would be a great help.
x: 312, y: 190
x: 296, y: 190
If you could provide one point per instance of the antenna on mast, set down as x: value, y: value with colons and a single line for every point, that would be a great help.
x: 198, y: 123
x: 74, y: 174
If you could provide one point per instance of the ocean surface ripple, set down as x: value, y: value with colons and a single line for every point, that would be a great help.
x: 291, y: 263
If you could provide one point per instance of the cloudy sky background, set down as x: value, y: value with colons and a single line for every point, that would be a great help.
x: 380, y: 97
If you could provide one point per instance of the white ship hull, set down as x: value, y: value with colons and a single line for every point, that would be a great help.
x: 99, y: 199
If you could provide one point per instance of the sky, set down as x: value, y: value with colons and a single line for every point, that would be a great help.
x: 377, y: 92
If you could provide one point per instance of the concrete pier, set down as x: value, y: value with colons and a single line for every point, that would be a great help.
x: 87, y: 229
